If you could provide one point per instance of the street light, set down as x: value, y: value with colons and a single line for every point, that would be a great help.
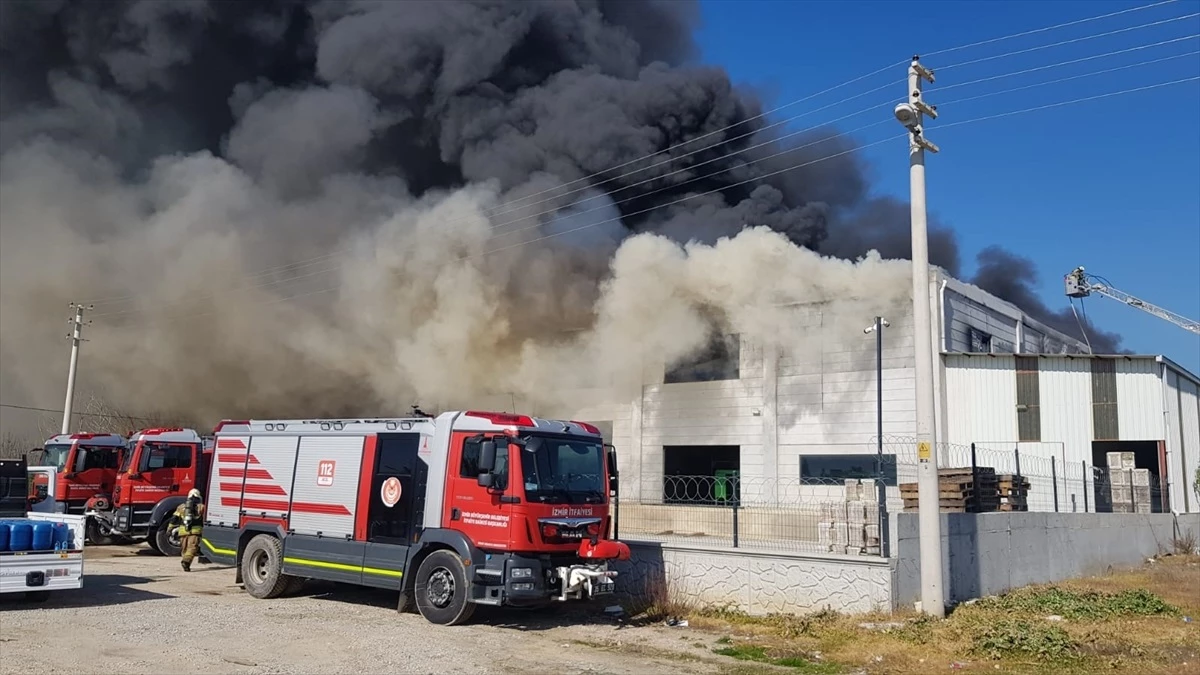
x: 880, y: 485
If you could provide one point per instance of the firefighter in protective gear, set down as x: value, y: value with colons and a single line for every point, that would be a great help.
x: 190, y: 516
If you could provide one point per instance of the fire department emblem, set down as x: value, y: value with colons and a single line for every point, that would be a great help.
x: 389, y: 492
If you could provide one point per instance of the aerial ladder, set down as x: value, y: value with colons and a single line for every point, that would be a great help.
x: 1079, y: 284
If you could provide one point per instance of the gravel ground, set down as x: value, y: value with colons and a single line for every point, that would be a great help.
x: 140, y: 613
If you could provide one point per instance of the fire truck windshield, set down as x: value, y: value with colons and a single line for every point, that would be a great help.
x: 563, y: 470
x: 128, y: 457
x: 56, y: 455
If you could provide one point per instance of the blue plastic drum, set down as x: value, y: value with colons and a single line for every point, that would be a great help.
x: 43, y: 536
x: 20, y: 536
x: 62, y: 537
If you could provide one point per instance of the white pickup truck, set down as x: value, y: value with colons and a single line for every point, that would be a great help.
x: 37, y: 572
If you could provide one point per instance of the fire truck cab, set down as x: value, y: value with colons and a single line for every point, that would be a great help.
x: 463, y: 509
x: 85, y: 466
x: 158, y: 470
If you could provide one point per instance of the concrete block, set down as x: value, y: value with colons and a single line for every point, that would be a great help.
x: 1121, y: 460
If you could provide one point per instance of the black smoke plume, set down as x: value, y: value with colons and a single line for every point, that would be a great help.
x: 159, y: 154
x: 1013, y: 278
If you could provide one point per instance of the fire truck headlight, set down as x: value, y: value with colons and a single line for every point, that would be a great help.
x: 522, y: 573
x: 60, y: 507
x: 522, y: 587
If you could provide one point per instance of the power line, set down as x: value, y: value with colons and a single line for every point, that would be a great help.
x: 590, y: 225
x: 821, y: 159
x: 1066, y: 63
x: 1060, y: 104
x: 1060, y: 80
x: 1048, y: 28
x: 327, y: 256
x: 1067, y: 42
x: 772, y: 141
x: 81, y: 414
x: 749, y: 180
x: 768, y: 175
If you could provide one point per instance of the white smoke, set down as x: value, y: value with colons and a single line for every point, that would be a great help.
x: 424, y: 300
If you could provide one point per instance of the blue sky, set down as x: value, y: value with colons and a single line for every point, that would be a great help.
x: 1111, y: 184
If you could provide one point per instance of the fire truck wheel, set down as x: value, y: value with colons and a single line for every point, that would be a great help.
x: 262, y: 567
x: 441, y: 590
x: 98, y: 535
x: 166, y: 541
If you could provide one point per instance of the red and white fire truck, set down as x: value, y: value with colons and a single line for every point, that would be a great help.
x: 85, y: 465
x: 158, y: 469
x: 454, y: 511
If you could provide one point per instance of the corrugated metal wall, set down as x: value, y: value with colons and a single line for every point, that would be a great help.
x: 1183, y: 440
x: 981, y: 398
x: 1066, y: 405
x: 1190, y: 427
x: 1139, y: 400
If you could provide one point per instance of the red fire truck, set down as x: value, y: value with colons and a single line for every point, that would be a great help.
x: 463, y: 509
x: 85, y: 465
x: 158, y: 470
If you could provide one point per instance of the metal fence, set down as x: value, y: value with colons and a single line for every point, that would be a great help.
x: 849, y: 515
x: 757, y: 513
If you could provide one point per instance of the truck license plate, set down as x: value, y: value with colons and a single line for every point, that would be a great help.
x: 602, y: 587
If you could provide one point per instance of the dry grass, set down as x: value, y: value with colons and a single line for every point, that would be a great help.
x: 1128, y: 622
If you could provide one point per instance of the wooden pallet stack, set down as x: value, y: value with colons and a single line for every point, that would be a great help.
x: 960, y: 490
x: 1013, y: 492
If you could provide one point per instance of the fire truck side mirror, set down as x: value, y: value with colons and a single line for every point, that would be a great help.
x: 487, y: 456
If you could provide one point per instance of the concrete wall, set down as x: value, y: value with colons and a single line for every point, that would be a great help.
x: 758, y: 582
x: 989, y: 553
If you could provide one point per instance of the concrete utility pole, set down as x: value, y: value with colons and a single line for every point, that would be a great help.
x: 911, y: 114
x: 75, y: 337
x: 880, y: 485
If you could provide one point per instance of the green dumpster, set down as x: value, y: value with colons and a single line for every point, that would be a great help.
x: 723, y: 486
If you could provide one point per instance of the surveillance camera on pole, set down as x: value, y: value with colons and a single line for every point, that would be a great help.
x: 911, y: 113
x: 871, y: 329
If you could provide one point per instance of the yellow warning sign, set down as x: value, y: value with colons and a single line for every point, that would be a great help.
x: 923, y: 451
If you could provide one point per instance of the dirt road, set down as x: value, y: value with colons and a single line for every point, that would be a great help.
x: 141, y: 613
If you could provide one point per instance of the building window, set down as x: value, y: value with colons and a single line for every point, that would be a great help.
x: 981, y: 342
x: 701, y: 474
x: 1029, y: 409
x: 1104, y: 400
x: 834, y: 469
x: 720, y: 360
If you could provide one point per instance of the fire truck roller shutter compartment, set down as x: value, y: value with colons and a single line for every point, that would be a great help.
x: 267, y: 487
x: 324, y: 501
x: 224, y: 503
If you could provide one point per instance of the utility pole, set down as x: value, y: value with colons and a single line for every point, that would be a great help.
x: 880, y: 485
x: 911, y: 114
x: 75, y: 337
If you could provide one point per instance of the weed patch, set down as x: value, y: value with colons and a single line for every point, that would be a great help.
x: 1014, y: 638
x: 784, y: 625
x: 760, y: 654
x: 1081, y: 605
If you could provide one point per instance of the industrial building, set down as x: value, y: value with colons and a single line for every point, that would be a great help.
x: 1004, y: 382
